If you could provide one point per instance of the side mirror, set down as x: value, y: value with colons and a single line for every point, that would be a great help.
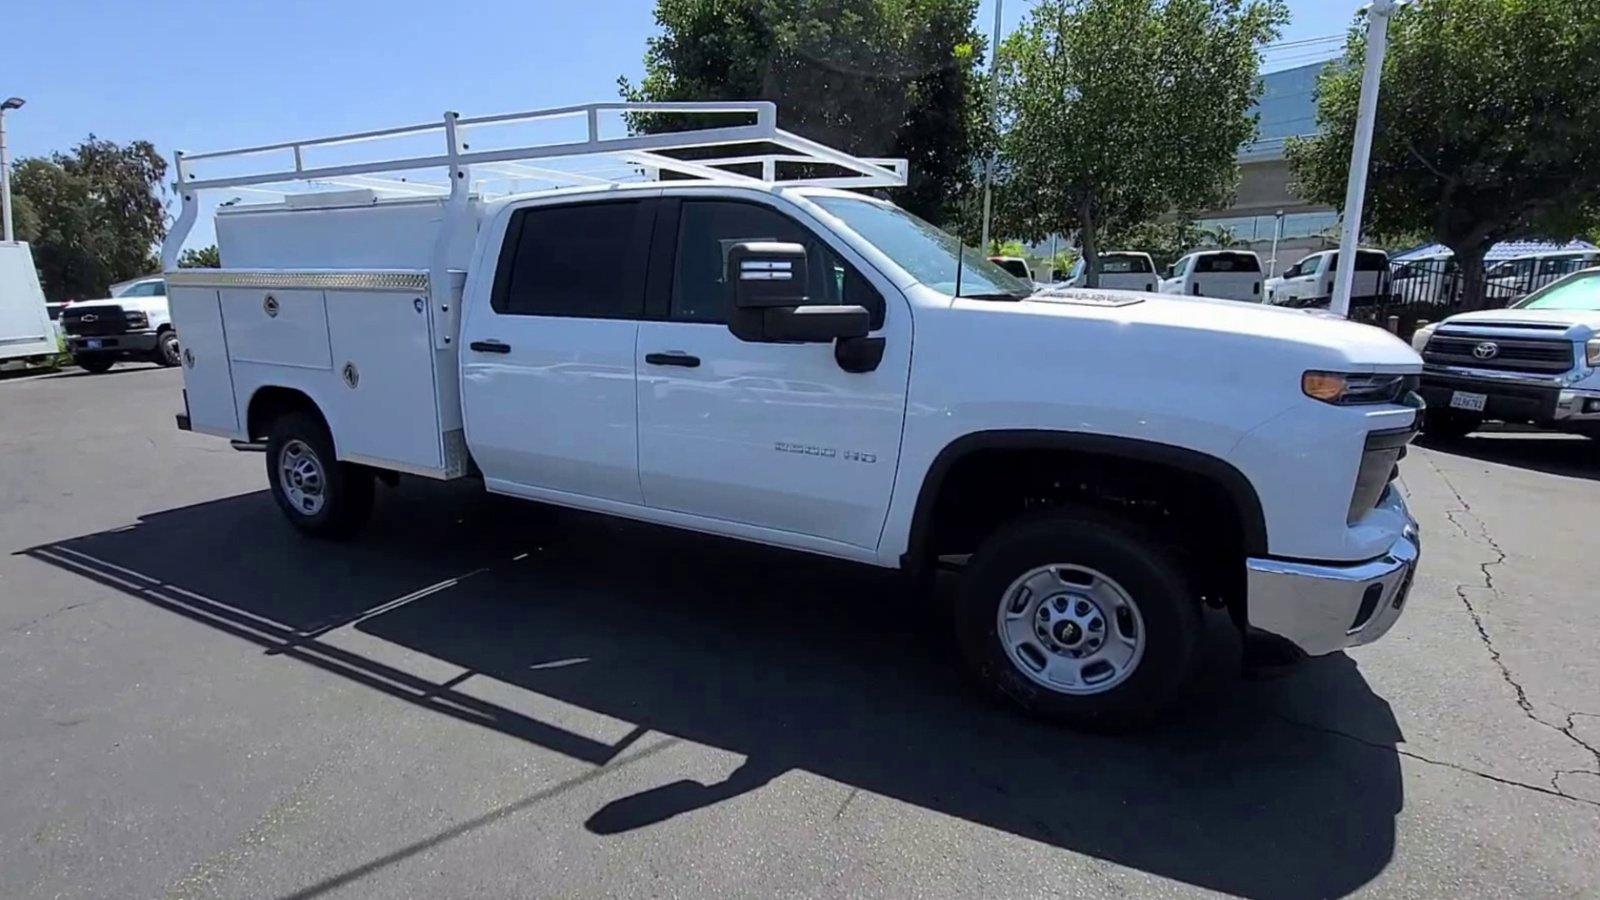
x: 769, y: 299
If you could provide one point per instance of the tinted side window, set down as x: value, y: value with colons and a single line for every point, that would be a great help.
x: 580, y: 261
x: 707, y: 229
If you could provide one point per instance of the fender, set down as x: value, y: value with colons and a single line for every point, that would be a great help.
x: 1233, y: 482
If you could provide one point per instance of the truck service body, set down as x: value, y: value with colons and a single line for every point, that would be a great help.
x: 790, y: 362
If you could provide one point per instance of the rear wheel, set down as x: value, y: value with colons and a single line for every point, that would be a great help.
x: 1079, y: 618
x: 93, y: 363
x: 167, y: 352
x: 319, y: 494
x: 1450, y: 424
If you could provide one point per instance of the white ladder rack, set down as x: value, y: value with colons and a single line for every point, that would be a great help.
x: 633, y: 157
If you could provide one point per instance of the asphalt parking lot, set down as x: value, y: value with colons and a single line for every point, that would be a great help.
x: 486, y: 698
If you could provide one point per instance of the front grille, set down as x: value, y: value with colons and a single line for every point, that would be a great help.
x: 95, y: 322
x: 1500, y: 354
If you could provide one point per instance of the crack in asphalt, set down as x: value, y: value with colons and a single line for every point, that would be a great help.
x: 1408, y: 754
x: 1476, y: 615
x: 50, y: 615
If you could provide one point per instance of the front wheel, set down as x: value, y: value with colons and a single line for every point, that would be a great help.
x: 1078, y: 618
x: 1450, y: 424
x: 319, y: 494
x: 94, y: 364
x: 167, y: 352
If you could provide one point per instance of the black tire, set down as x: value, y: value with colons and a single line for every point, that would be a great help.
x: 94, y: 363
x: 346, y: 492
x: 167, y: 352
x: 1140, y: 564
x: 1450, y: 424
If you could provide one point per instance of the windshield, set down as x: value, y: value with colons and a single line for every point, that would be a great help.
x: 1580, y: 293
x: 925, y: 252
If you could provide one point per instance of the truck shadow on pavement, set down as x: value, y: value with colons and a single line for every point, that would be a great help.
x: 1570, y: 455
x: 1287, y: 786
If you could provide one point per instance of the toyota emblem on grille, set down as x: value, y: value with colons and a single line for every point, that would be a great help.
x: 1486, y: 350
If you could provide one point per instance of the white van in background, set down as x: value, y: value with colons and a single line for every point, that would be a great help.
x: 1309, y: 282
x: 1122, y: 271
x: 1222, y: 274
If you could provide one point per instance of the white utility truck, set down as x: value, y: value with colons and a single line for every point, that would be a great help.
x: 782, y: 360
x: 26, y: 332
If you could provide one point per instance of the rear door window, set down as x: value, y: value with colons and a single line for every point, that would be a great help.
x: 1227, y: 262
x: 581, y: 261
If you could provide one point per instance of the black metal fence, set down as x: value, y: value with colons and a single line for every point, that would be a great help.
x: 1427, y: 291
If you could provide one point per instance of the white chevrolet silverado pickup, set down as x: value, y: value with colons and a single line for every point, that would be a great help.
x: 791, y: 363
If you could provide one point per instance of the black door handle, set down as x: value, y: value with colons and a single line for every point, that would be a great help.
x: 490, y: 347
x: 672, y: 359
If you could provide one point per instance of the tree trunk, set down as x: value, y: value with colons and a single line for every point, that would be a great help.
x: 1090, y: 245
x: 1469, y: 269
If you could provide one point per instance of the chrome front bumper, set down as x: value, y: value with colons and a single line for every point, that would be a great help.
x: 1323, y: 607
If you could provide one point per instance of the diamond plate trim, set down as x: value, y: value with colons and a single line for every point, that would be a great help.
x: 390, y: 280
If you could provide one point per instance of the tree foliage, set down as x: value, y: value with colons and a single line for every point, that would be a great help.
x: 1119, y: 111
x: 94, y: 216
x: 895, y: 78
x: 206, y: 257
x: 1488, y: 126
x: 1165, y: 239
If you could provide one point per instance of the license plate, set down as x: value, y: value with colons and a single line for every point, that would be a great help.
x: 1468, y: 401
x: 92, y: 344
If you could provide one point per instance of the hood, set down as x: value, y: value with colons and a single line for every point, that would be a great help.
x: 1579, y: 325
x: 1319, y: 339
x: 144, y: 304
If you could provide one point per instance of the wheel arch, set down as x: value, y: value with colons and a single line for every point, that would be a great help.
x: 1232, y: 483
x: 270, y: 401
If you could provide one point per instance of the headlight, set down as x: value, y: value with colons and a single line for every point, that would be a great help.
x: 135, y: 319
x: 1594, y: 352
x: 1419, y: 340
x: 1342, y: 389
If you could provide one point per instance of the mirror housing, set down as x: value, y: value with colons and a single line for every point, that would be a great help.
x: 769, y: 300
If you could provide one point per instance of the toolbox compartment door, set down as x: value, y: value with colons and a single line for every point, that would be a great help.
x: 207, y: 374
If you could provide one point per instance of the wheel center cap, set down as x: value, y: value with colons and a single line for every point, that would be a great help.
x: 1066, y: 632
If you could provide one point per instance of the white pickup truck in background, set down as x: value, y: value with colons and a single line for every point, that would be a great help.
x: 1536, y: 363
x: 1119, y: 271
x: 132, y: 324
x: 1308, y: 284
x: 787, y: 362
x: 1219, y: 274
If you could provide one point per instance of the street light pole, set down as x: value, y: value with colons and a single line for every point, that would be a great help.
x: 5, y: 169
x: 1361, y: 153
x: 994, y: 114
x: 1277, y: 235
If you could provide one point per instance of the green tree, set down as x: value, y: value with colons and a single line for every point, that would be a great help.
x: 1118, y: 111
x: 1476, y: 142
x: 1165, y: 240
x: 896, y: 78
x: 95, y: 215
x: 205, y: 258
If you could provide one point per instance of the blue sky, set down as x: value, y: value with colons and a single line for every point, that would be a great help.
x: 225, y: 73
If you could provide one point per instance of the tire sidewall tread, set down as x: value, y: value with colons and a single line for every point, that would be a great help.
x: 350, y: 491
x: 1134, y: 559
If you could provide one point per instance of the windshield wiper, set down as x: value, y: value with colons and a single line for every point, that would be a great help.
x: 996, y: 295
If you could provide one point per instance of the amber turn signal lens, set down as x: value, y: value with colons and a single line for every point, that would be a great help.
x: 1325, y: 386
